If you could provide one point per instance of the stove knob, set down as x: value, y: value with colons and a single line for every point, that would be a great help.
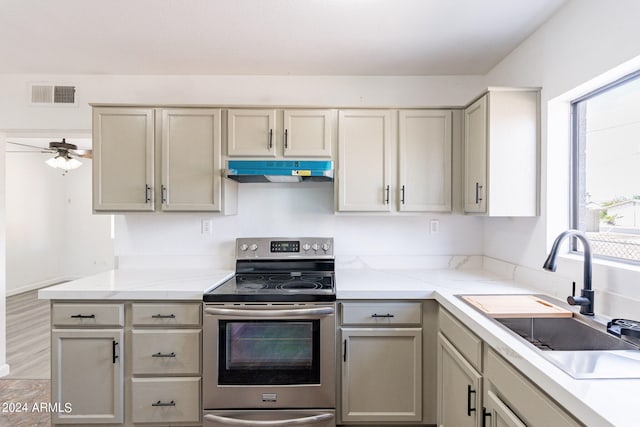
x: 306, y: 247
x: 253, y: 247
x: 244, y: 247
x: 325, y: 247
x: 315, y: 247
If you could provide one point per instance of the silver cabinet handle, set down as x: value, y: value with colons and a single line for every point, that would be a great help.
x: 386, y: 195
x: 402, y: 195
x: 270, y: 139
x: 270, y: 313
x: 163, y: 189
x: 288, y: 422
x: 286, y: 138
x: 383, y: 315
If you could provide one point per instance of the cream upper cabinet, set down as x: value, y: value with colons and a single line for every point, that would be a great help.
x: 392, y: 161
x: 475, y: 158
x: 424, y: 160
x: 501, y: 153
x: 148, y: 159
x: 307, y: 133
x: 123, y: 159
x: 191, y: 163
x: 364, y: 149
x: 459, y: 388
x: 251, y: 132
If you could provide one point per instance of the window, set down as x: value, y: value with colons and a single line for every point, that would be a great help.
x: 606, y: 169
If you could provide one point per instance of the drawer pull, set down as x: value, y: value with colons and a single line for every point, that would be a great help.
x: 158, y: 354
x: 382, y: 315
x: 161, y: 403
x: 163, y: 316
x: 83, y: 316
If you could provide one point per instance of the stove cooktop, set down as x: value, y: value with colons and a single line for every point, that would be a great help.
x: 269, y: 287
x: 280, y: 269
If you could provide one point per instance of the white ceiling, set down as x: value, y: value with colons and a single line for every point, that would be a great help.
x: 264, y: 37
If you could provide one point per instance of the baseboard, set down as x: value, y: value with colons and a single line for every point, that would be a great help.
x: 37, y: 285
x: 4, y: 370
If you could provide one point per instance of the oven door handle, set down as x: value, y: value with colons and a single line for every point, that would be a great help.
x: 288, y: 422
x: 296, y: 312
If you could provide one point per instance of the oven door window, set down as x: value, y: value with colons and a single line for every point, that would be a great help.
x: 269, y: 352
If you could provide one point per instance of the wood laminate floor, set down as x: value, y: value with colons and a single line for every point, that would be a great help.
x: 28, y: 336
x: 26, y: 391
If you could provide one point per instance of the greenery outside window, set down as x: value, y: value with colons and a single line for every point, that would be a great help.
x: 606, y: 169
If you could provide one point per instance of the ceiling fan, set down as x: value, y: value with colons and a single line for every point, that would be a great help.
x: 65, y: 155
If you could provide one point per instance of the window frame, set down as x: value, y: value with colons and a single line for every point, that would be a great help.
x: 577, y: 139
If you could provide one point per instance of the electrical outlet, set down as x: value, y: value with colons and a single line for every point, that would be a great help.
x: 207, y: 226
x: 434, y: 226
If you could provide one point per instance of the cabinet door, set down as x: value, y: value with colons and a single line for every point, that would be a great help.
x: 475, y: 156
x: 123, y: 159
x: 191, y: 165
x: 307, y: 133
x: 500, y: 414
x: 424, y: 156
x: 459, y: 393
x: 251, y: 133
x: 87, y: 375
x: 364, y: 138
x: 382, y: 374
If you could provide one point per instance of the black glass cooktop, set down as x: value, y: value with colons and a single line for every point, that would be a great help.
x: 270, y: 287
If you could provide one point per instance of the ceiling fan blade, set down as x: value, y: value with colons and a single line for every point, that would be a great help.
x: 85, y: 154
x: 36, y: 149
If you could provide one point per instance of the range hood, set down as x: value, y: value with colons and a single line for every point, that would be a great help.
x: 280, y: 170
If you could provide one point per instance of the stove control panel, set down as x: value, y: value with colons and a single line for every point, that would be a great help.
x: 284, y: 247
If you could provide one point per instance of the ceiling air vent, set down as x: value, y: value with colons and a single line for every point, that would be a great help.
x: 53, y: 95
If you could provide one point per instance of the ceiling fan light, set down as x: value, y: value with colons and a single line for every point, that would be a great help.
x: 62, y: 162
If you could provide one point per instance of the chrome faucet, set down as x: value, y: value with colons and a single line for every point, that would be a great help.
x: 586, y: 298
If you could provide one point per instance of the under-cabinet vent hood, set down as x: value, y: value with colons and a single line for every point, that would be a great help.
x: 280, y: 170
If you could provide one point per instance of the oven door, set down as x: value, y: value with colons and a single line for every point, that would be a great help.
x: 269, y: 355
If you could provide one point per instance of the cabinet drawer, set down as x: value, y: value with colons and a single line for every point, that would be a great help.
x: 166, y: 352
x: 165, y: 400
x: 465, y: 341
x: 166, y: 314
x: 80, y: 314
x: 381, y: 313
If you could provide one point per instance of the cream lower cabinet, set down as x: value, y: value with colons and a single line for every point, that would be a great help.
x: 510, y: 398
x: 87, y: 375
x: 127, y: 363
x: 497, y: 414
x: 477, y: 387
x: 459, y: 388
x: 381, y: 370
